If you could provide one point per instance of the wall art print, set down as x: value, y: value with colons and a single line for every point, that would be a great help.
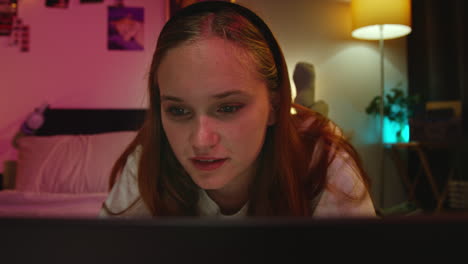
x: 125, y: 28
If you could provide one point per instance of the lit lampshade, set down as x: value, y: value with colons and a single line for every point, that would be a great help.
x: 368, y: 15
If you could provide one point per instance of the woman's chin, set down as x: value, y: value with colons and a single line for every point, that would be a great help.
x: 209, y: 183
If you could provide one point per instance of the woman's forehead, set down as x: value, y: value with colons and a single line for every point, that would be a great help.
x: 207, y: 65
x: 213, y: 50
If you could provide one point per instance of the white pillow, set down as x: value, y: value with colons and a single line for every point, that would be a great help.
x: 69, y: 163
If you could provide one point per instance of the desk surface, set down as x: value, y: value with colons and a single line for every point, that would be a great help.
x: 416, y: 144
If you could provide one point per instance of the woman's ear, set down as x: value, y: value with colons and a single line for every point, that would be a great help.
x: 271, y: 116
x: 274, y: 102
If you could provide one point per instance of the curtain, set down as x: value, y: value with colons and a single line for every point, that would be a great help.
x: 437, y: 51
x: 438, y: 71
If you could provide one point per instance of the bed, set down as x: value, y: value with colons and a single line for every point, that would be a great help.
x: 63, y: 170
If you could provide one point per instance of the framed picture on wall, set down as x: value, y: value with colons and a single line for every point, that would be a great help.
x: 175, y: 5
x: 125, y: 28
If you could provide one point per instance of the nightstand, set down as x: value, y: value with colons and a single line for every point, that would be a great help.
x: 421, y: 148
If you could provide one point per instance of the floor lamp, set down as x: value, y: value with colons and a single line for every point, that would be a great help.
x: 380, y: 20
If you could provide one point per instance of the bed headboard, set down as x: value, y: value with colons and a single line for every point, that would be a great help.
x: 90, y: 121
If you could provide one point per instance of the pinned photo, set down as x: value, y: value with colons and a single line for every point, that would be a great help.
x: 57, y: 3
x: 125, y: 28
x: 24, y: 47
x: 6, y: 22
x: 91, y: 1
x: 16, y: 32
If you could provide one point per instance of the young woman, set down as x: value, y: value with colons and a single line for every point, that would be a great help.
x: 219, y: 138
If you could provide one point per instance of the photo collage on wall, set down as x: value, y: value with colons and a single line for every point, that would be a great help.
x: 125, y: 28
x: 8, y: 11
x: 12, y: 26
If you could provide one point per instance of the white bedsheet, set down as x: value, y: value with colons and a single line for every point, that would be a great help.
x: 33, y: 204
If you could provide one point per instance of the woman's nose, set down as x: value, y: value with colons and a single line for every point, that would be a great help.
x: 205, y: 135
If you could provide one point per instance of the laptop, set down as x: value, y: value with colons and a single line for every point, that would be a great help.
x: 256, y: 240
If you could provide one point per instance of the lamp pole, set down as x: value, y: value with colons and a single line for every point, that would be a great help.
x: 379, y: 20
x: 382, y: 117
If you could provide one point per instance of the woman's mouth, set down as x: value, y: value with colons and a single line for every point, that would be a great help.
x: 208, y: 164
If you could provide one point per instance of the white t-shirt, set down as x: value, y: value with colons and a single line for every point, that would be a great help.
x: 125, y: 197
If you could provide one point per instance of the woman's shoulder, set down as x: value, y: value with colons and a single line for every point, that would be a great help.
x: 124, y: 197
x: 309, y: 121
x: 132, y: 161
x: 346, y: 193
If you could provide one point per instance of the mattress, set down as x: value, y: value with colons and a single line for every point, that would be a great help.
x: 50, y: 205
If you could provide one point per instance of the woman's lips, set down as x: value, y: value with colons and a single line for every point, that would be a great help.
x: 207, y: 164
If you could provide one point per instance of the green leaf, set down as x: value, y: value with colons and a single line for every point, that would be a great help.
x: 397, y: 106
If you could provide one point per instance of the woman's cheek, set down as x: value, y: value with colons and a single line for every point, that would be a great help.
x: 248, y: 129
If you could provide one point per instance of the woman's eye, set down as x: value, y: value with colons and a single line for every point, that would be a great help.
x: 229, y: 108
x: 177, y: 111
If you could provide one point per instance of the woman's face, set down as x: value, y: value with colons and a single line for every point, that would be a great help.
x: 215, y: 111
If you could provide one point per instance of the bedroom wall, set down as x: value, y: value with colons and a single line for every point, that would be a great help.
x: 69, y: 66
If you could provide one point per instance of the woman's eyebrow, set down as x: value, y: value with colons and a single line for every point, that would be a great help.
x: 170, y: 98
x: 217, y: 96
x: 229, y: 93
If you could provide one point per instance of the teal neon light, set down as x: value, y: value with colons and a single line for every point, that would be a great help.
x: 390, y: 132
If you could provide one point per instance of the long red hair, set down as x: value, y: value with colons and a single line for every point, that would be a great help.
x: 286, y: 182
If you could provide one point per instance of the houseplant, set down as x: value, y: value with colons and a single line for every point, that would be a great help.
x: 398, y: 107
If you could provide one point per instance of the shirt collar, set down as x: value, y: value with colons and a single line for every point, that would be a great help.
x: 208, y: 207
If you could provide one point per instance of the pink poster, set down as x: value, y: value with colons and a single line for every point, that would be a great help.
x: 125, y: 28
